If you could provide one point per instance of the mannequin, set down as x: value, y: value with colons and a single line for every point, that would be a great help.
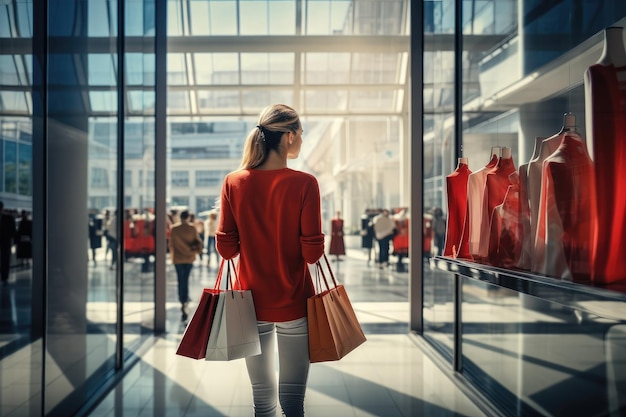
x: 456, y: 187
x: 605, y: 109
x: 475, y: 190
x: 505, y: 237
x: 535, y: 169
x: 525, y: 258
x: 496, y: 185
x: 566, y: 222
x: 337, y: 246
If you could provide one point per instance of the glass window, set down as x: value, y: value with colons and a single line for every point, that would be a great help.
x: 8, y: 71
x: 103, y: 101
x: 327, y: 68
x: 176, y: 69
x: 178, y: 101
x: 258, y: 68
x: 216, y: 68
x: 259, y: 17
x: 329, y: 17
x: 180, y: 201
x: 25, y: 172
x: 206, y: 203
x: 101, y: 69
x: 13, y: 101
x: 128, y: 178
x: 99, y: 23
x: 180, y: 178
x: 10, y: 167
x: 223, y: 17
x: 99, y: 178
x: 209, y: 178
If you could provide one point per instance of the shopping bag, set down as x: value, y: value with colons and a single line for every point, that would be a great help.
x: 234, y: 334
x: 334, y: 330
x: 194, y: 341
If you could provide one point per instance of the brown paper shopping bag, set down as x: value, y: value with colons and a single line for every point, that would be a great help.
x: 334, y: 330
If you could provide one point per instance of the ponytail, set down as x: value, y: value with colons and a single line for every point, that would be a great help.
x: 274, y: 121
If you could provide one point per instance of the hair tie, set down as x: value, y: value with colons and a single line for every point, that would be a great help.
x: 262, y: 133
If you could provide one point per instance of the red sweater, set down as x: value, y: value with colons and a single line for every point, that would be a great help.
x: 273, y: 219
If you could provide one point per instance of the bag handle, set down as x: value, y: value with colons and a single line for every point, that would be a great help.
x: 218, y: 280
x: 320, y: 271
x: 230, y: 264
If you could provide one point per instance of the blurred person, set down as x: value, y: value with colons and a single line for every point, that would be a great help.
x: 401, y: 238
x: 96, y: 231
x: 384, y: 228
x: 211, y: 228
x: 199, y: 225
x: 367, y: 236
x: 23, y: 239
x: 7, y: 239
x: 184, y: 244
x: 111, y: 233
x: 270, y: 216
x: 337, y: 244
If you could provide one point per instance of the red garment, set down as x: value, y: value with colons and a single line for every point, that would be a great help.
x: 505, y: 239
x: 608, y: 141
x: 456, y: 187
x: 401, y: 239
x: 273, y: 219
x: 337, y: 246
x: 566, y: 213
x: 496, y: 185
x: 473, y: 214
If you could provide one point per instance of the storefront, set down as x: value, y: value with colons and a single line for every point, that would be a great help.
x: 526, y: 304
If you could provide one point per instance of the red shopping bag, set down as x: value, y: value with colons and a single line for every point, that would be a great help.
x: 194, y: 341
x: 334, y: 330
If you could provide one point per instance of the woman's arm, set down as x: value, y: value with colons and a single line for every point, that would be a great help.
x: 311, y: 236
x: 227, y: 234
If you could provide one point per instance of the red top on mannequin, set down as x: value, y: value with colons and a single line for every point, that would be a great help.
x: 496, y: 185
x: 505, y: 238
x: 605, y: 97
x: 473, y: 216
x: 566, y: 213
x: 456, y: 184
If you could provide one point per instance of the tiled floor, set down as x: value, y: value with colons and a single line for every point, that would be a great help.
x: 388, y: 376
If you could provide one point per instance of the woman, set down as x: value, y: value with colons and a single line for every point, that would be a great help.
x: 270, y: 215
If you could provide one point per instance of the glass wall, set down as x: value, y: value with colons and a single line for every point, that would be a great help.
x: 341, y: 64
x: 79, y: 153
x: 69, y: 119
x: 139, y: 173
x: 439, y: 152
x: 491, y: 303
x: 20, y: 344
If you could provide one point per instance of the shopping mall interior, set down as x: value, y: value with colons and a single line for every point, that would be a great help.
x: 141, y: 107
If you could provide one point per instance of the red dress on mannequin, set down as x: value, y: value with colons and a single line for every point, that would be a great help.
x: 505, y: 238
x: 496, y: 185
x: 456, y: 186
x: 473, y: 215
x: 607, y: 97
x: 337, y: 246
x: 566, y: 224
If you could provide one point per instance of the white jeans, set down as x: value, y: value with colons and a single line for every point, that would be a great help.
x: 293, y: 365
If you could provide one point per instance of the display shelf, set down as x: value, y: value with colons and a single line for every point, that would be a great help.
x: 607, y: 301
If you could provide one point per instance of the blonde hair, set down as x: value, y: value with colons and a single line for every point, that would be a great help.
x: 274, y: 121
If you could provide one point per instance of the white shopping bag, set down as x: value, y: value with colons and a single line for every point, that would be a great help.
x: 234, y: 334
